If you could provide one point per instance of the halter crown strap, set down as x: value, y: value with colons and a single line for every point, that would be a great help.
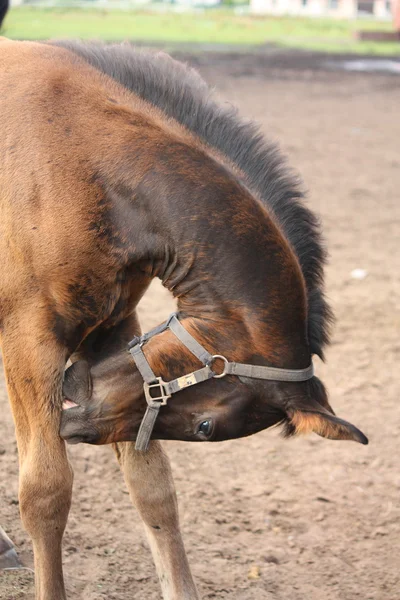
x: 271, y: 373
x: 157, y: 392
x: 189, y: 341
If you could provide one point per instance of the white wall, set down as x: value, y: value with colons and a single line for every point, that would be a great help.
x: 346, y: 9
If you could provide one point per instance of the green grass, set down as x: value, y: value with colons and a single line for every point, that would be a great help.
x: 208, y: 27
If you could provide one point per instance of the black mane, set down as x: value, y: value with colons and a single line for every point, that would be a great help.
x: 182, y: 94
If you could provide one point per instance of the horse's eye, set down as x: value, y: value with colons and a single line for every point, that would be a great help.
x: 205, y: 427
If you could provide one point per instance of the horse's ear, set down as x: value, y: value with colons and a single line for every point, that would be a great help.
x: 77, y: 384
x: 315, y: 418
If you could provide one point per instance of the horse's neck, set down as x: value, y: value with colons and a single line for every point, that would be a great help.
x: 185, y: 218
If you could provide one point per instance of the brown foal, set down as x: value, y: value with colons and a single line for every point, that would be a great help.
x: 102, y: 188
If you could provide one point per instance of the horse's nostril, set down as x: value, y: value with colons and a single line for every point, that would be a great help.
x: 74, y: 430
x: 72, y: 435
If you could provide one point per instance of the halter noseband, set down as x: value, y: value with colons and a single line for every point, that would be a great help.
x: 163, y: 390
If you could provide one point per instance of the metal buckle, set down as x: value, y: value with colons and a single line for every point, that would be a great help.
x: 134, y: 342
x: 214, y: 356
x: 160, y: 400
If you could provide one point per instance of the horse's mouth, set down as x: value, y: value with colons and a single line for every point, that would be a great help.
x: 67, y: 404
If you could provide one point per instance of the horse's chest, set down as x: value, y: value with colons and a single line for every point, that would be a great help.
x: 93, y: 298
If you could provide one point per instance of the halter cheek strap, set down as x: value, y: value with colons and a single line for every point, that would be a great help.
x: 157, y: 392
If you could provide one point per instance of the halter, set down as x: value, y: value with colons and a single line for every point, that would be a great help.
x: 157, y: 391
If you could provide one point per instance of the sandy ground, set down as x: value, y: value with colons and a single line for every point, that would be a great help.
x: 309, y: 518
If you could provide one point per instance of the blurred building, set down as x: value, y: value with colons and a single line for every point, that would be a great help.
x: 345, y: 9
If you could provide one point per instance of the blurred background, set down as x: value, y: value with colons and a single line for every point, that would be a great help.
x: 364, y: 26
x: 264, y: 518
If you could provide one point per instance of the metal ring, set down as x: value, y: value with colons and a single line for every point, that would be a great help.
x: 214, y: 356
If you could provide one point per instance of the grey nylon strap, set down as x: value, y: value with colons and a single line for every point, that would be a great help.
x: 164, y: 389
x: 239, y: 369
x: 187, y: 380
x: 142, y: 364
x: 271, y: 373
x: 146, y: 427
x: 189, y: 341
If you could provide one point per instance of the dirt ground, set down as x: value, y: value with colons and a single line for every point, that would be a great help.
x: 265, y: 518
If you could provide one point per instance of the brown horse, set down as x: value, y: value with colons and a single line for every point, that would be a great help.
x: 117, y: 167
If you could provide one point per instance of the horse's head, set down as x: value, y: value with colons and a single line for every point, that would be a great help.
x: 242, y: 293
x: 106, y: 403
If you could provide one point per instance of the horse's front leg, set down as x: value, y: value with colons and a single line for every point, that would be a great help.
x: 151, y: 487
x: 34, y: 364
